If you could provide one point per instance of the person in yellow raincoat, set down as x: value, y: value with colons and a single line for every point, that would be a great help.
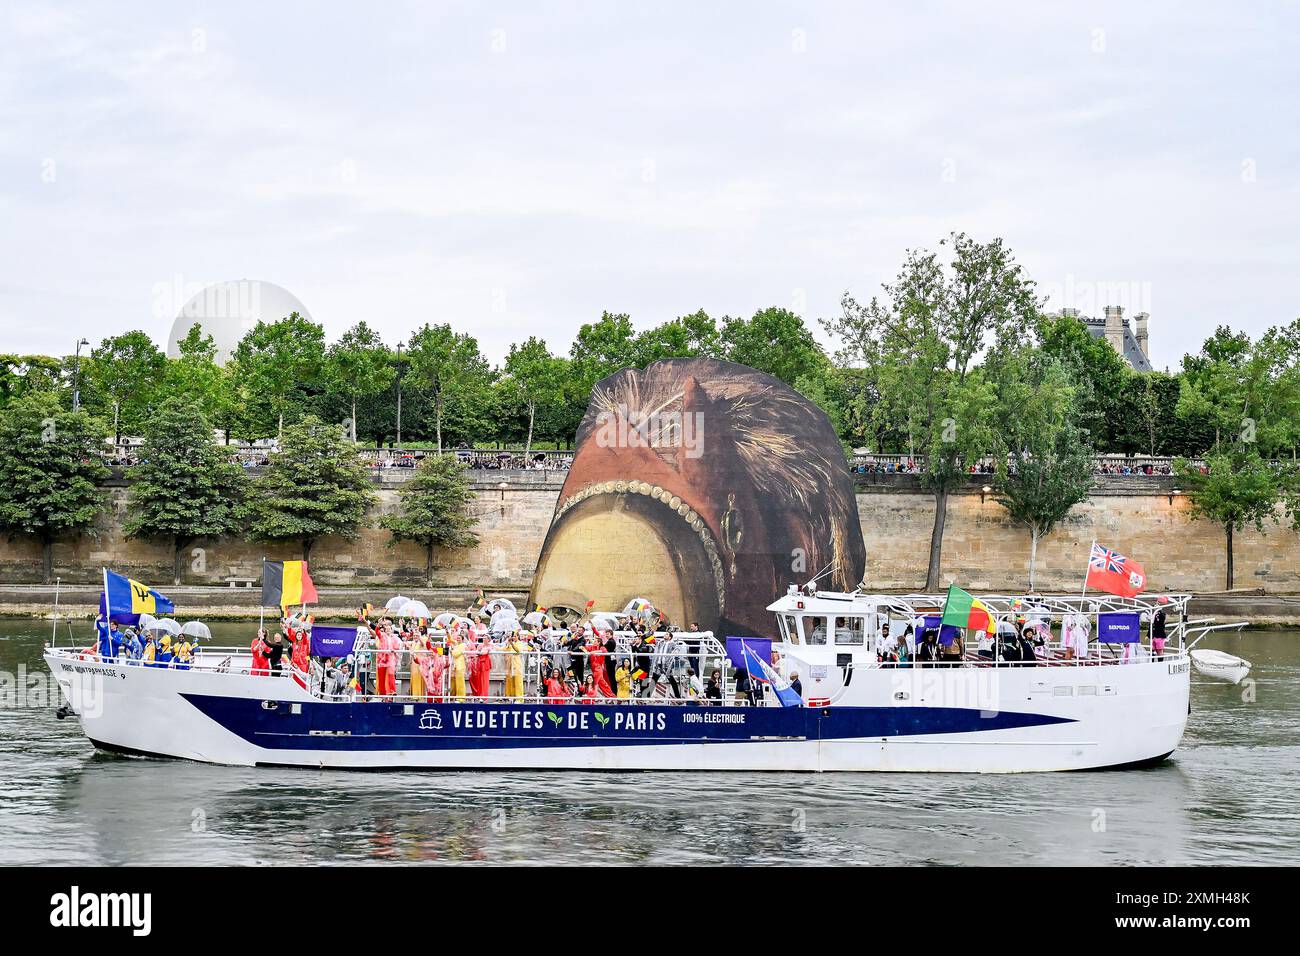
x: 416, y: 647
x: 623, y: 677
x: 457, y: 668
x: 514, y: 652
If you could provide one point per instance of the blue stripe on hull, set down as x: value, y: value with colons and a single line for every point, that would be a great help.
x: 433, y: 727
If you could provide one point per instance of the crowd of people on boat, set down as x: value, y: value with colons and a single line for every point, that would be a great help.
x: 114, y: 641
x: 463, y: 659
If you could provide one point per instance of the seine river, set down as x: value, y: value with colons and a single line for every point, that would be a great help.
x: 1228, y: 796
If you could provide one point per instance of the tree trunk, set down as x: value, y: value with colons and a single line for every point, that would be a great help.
x: 936, y: 540
x: 528, y: 445
x: 306, y: 549
x: 1033, y: 556
x: 428, y: 565
x: 1230, y: 574
x: 47, y: 559
x: 117, y: 430
x: 437, y: 424
x: 354, y: 418
x: 279, y: 434
x: 178, y: 544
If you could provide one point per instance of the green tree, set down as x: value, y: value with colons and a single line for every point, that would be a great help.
x: 922, y: 340
x: 449, y: 368
x: 435, y: 509
x: 775, y: 341
x: 127, y: 370
x: 184, y: 488
x: 51, y: 469
x: 275, y: 360
x: 26, y: 374
x: 535, y: 380
x: 1100, y: 375
x: 602, y: 348
x: 1047, y: 466
x: 1236, y: 488
x: 315, y: 485
x: 687, y: 336
x: 359, y: 366
x: 196, y: 378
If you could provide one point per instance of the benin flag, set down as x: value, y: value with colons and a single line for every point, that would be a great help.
x: 962, y: 610
x: 285, y: 583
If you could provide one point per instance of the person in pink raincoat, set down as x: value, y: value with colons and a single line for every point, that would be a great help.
x: 388, y: 644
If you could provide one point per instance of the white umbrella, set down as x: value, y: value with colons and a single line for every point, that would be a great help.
x: 395, y: 603
x: 167, y: 624
x: 537, y: 619
x: 501, y: 604
x: 604, y: 621
x: 444, y: 620
x: 197, y: 630
x: 413, y: 609
x: 146, y: 622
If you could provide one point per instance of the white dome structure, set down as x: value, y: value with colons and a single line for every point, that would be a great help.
x: 228, y: 310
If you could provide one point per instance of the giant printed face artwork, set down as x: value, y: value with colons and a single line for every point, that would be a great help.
x: 705, y: 487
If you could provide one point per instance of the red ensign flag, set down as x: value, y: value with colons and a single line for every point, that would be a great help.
x: 1113, y: 573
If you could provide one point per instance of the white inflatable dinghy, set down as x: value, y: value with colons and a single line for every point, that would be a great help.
x: 1220, y: 665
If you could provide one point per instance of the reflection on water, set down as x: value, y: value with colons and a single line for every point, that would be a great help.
x: 1226, y: 797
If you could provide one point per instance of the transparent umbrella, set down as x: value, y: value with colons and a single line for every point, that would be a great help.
x: 197, y: 630
x: 413, y: 609
x: 395, y: 604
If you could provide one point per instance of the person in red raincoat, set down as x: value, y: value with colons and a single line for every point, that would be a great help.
x: 556, y: 692
x: 436, y: 682
x: 596, y: 648
x: 261, y: 663
x: 589, y: 694
x: 479, y: 679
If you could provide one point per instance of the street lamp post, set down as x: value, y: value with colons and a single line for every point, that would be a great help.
x: 76, y: 368
x: 399, y: 395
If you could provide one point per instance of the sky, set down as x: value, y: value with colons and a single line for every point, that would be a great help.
x: 516, y: 169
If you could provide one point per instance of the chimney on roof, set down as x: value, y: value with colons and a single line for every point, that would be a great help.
x: 1115, y: 327
x: 1140, y: 332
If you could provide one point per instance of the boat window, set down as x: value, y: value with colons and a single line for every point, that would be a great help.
x: 850, y: 630
x: 790, y: 628
x: 815, y: 627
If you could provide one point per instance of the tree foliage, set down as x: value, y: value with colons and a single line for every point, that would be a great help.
x: 315, y: 485
x: 184, y: 488
x: 51, y: 471
x: 434, y: 509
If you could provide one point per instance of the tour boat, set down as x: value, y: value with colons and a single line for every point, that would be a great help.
x: 1220, y: 665
x: 1083, y: 705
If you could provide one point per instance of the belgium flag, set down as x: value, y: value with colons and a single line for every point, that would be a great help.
x: 286, y: 583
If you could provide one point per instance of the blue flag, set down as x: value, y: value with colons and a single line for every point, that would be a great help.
x: 762, y: 672
x: 125, y: 600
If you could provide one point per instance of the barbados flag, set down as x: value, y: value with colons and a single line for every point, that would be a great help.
x: 125, y: 600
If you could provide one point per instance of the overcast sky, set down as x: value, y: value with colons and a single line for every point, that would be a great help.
x: 517, y: 169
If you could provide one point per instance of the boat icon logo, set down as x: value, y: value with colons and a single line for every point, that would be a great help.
x: 431, y: 720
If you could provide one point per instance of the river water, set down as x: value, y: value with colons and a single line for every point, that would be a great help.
x: 1228, y: 796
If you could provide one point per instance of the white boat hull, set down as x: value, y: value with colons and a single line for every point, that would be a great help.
x: 971, y: 719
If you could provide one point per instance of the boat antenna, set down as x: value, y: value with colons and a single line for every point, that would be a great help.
x: 819, y: 575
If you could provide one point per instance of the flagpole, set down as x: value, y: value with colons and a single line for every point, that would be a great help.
x: 1086, y: 568
x: 261, y: 610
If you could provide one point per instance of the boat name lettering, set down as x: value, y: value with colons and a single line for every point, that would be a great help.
x: 708, y: 717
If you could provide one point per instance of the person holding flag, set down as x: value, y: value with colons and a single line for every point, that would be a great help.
x: 760, y: 672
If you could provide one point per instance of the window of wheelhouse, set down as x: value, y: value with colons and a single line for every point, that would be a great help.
x: 790, y: 628
x: 814, y: 628
x: 850, y: 630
